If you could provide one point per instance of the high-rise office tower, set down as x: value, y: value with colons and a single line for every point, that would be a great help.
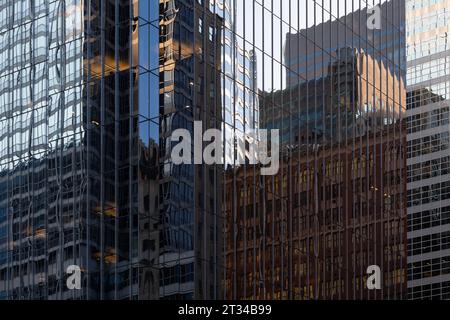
x: 78, y: 146
x: 428, y: 103
x: 190, y: 91
x: 91, y: 93
x: 335, y: 88
x: 208, y: 75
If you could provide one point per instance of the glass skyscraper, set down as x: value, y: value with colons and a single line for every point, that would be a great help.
x: 79, y: 137
x: 335, y: 89
x: 428, y: 49
x: 91, y: 94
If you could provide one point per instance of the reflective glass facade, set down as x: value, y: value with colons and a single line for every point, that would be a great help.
x: 428, y: 50
x: 78, y: 160
x: 91, y: 93
x: 335, y: 89
x: 190, y: 90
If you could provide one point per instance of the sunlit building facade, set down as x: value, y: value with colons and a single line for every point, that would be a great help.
x: 428, y: 52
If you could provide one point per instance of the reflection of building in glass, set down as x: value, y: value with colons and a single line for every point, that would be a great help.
x: 238, y: 80
x: 190, y: 90
x: 336, y: 206
x: 311, y: 232
x: 428, y: 104
x: 149, y: 223
x: 74, y: 175
x: 241, y: 103
x: 206, y: 75
x: 338, y: 106
x: 309, y: 52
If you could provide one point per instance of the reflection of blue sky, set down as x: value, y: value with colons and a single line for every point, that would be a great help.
x: 149, y: 70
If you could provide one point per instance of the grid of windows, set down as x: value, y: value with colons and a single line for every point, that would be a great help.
x: 437, y: 291
x: 91, y: 96
x: 77, y: 162
x: 429, y: 144
x: 428, y: 268
x: 428, y: 70
x: 429, y: 169
x: 429, y: 243
x: 318, y: 71
x: 428, y: 194
x: 428, y: 219
x: 428, y: 120
x: 427, y: 30
x: 41, y: 121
